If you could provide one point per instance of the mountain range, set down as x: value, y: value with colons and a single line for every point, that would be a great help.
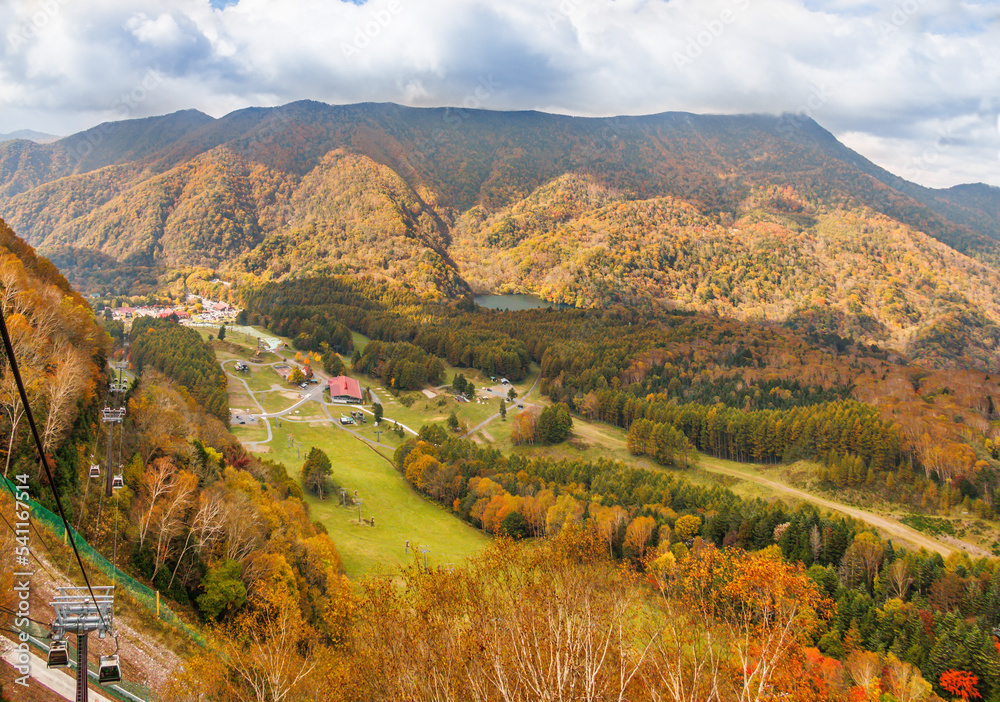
x: 30, y: 135
x: 750, y: 216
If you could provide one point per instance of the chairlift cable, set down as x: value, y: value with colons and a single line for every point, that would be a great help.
x: 114, y: 557
x: 8, y: 610
x: 9, y: 348
x: 86, y: 490
x: 37, y: 533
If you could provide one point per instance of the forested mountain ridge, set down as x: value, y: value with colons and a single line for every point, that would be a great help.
x: 61, y: 351
x: 852, y: 272
x: 748, y: 216
x: 211, y: 527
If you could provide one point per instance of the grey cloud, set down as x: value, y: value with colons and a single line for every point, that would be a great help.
x: 887, y: 75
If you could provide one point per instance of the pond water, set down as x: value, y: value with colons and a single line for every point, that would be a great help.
x: 512, y: 302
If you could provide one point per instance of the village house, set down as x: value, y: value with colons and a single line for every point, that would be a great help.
x: 344, y: 389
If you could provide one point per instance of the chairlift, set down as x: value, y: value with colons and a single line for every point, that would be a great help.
x: 110, y: 670
x: 95, y: 470
x: 58, y: 655
x: 117, y: 481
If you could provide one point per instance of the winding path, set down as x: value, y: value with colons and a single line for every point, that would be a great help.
x: 889, y: 526
x: 313, y: 394
x: 491, y: 418
x: 253, y: 397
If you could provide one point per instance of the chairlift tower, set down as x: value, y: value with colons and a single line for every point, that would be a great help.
x: 111, y: 417
x: 78, y: 612
x: 118, y: 383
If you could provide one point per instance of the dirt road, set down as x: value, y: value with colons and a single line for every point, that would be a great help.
x: 890, y: 527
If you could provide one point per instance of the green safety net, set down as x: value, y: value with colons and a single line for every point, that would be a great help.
x: 128, y: 590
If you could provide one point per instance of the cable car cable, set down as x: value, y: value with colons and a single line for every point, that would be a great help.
x: 43, y: 566
x: 9, y: 348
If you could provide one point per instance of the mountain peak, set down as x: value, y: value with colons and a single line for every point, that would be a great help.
x: 30, y: 135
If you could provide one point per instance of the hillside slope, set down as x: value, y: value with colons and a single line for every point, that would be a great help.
x: 675, y: 207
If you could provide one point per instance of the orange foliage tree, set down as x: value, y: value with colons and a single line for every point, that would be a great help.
x: 761, y: 608
x: 961, y: 683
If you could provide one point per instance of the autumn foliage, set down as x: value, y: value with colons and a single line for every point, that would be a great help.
x: 960, y: 683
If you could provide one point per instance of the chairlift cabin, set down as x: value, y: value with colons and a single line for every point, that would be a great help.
x: 117, y: 482
x: 58, y: 655
x: 95, y: 470
x: 110, y: 670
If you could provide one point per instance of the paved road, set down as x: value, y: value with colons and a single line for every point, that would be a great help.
x: 55, y: 679
x: 252, y: 397
x: 312, y: 393
x: 491, y: 418
x: 354, y: 432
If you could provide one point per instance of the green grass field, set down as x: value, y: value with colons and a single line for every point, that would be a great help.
x: 250, y: 432
x: 385, y: 434
x: 426, y: 410
x: 275, y: 400
x: 259, y: 379
x: 401, y: 514
x: 360, y: 341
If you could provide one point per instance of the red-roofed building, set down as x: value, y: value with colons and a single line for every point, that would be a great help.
x: 344, y: 389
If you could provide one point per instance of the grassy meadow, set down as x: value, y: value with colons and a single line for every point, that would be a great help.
x: 401, y: 515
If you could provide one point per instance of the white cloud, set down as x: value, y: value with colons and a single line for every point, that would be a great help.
x: 885, y: 76
x: 162, y: 30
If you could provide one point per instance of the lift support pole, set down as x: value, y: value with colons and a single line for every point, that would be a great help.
x: 79, y: 613
x: 82, y: 690
x: 111, y: 417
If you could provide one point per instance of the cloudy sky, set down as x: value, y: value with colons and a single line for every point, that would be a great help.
x: 913, y: 85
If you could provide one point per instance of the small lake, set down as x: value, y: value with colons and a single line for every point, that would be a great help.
x: 513, y: 302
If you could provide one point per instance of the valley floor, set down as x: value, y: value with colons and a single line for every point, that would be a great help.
x: 280, y: 421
